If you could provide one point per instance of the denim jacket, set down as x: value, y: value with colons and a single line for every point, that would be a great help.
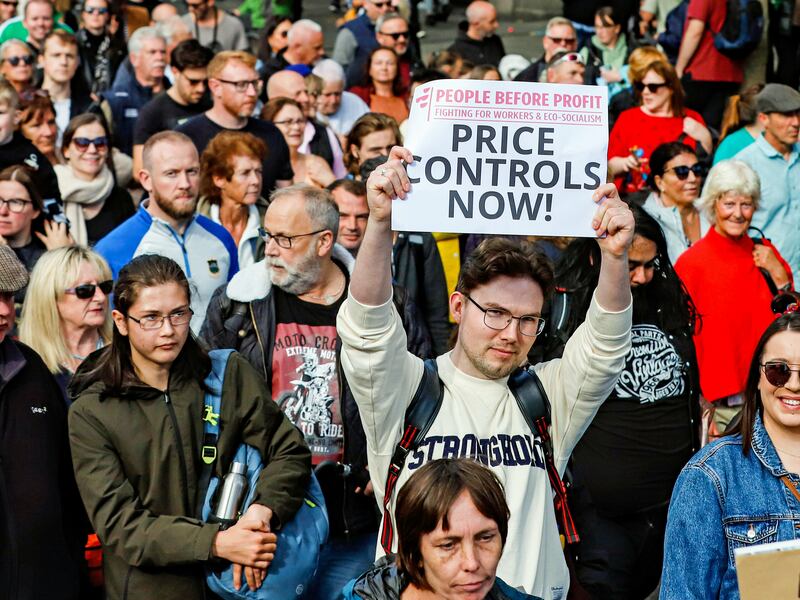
x: 724, y: 500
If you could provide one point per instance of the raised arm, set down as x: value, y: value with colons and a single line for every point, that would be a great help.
x: 613, y: 223
x: 371, y: 283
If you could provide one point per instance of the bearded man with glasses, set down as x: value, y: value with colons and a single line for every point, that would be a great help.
x: 559, y: 36
x: 280, y: 314
x: 235, y: 87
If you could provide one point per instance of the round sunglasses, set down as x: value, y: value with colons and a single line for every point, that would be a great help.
x: 86, y: 290
x: 778, y: 372
x: 15, y: 61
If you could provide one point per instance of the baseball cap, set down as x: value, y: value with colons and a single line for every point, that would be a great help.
x: 777, y: 97
x: 13, y: 274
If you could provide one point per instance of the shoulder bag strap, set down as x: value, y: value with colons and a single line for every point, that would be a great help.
x: 420, y: 415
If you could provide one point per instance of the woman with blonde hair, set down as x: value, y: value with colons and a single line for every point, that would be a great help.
x: 66, y: 315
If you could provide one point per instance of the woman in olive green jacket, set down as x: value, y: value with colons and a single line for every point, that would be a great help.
x: 136, y: 433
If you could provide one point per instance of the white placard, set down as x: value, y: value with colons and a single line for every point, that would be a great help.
x: 504, y: 157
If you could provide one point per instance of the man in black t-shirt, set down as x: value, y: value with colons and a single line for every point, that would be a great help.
x: 185, y: 99
x: 290, y: 301
x: 235, y: 87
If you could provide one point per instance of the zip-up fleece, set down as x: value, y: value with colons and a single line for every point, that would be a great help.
x: 137, y: 462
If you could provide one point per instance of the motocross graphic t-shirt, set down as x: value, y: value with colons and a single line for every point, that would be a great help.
x: 304, y: 372
x: 640, y: 439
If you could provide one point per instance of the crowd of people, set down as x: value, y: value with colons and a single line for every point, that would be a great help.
x: 490, y: 416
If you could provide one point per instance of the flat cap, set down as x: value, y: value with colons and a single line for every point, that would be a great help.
x: 13, y: 274
x: 777, y: 97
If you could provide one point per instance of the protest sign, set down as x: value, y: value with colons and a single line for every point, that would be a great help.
x: 504, y: 157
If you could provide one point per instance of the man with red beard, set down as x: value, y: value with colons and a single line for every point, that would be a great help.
x: 166, y: 223
x: 235, y: 86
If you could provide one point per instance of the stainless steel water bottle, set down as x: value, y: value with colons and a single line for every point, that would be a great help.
x: 231, y: 496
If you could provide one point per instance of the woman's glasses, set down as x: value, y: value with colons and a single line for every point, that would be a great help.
x: 650, y: 87
x: 682, y: 171
x: 86, y: 290
x: 96, y: 10
x: 15, y: 205
x: 778, y: 372
x: 15, y: 61
x: 82, y: 143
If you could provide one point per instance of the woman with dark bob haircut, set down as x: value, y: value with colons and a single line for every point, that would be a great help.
x: 742, y: 489
x: 452, y: 524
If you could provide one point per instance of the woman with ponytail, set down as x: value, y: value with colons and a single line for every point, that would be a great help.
x: 740, y: 128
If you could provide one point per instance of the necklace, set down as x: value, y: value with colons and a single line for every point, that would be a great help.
x: 329, y: 298
x: 787, y: 452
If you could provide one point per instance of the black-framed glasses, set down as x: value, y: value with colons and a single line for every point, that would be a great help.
x: 397, y: 35
x: 83, y: 143
x: 14, y: 205
x: 85, y: 291
x: 284, y: 241
x: 244, y: 85
x: 779, y: 372
x: 152, y: 322
x: 650, y: 87
x: 499, y: 318
x: 15, y: 61
x: 96, y: 10
x: 9, y: 3
x: 381, y: 5
x: 682, y: 171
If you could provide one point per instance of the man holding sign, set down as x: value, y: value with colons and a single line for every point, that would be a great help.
x: 497, y: 304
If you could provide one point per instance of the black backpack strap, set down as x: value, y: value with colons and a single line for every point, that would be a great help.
x: 420, y: 415
x: 534, y: 404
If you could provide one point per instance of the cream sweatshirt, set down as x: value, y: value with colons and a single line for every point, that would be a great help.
x: 480, y: 419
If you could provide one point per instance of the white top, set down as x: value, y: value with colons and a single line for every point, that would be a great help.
x: 669, y: 218
x: 247, y: 245
x: 62, y: 108
x: 350, y: 110
x: 480, y: 419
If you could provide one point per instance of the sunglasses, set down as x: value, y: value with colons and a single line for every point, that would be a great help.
x: 568, y: 57
x: 7, y: 3
x: 86, y: 290
x: 682, y: 172
x: 381, y: 5
x: 778, y: 372
x: 82, y: 143
x: 650, y: 87
x: 396, y: 36
x: 559, y: 40
x: 14, y: 61
x: 96, y: 10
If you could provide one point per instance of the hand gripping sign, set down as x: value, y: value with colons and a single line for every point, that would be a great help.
x: 504, y: 157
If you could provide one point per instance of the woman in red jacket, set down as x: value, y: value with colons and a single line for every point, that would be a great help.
x: 731, y: 278
x: 660, y: 118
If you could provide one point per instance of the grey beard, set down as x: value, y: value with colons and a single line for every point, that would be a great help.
x: 298, y: 280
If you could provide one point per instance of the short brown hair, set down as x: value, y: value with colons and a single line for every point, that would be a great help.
x: 64, y: 37
x: 426, y: 499
x: 366, y: 124
x: 217, y: 159
x: 497, y: 257
x: 159, y: 138
x: 34, y: 104
x: 221, y: 60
